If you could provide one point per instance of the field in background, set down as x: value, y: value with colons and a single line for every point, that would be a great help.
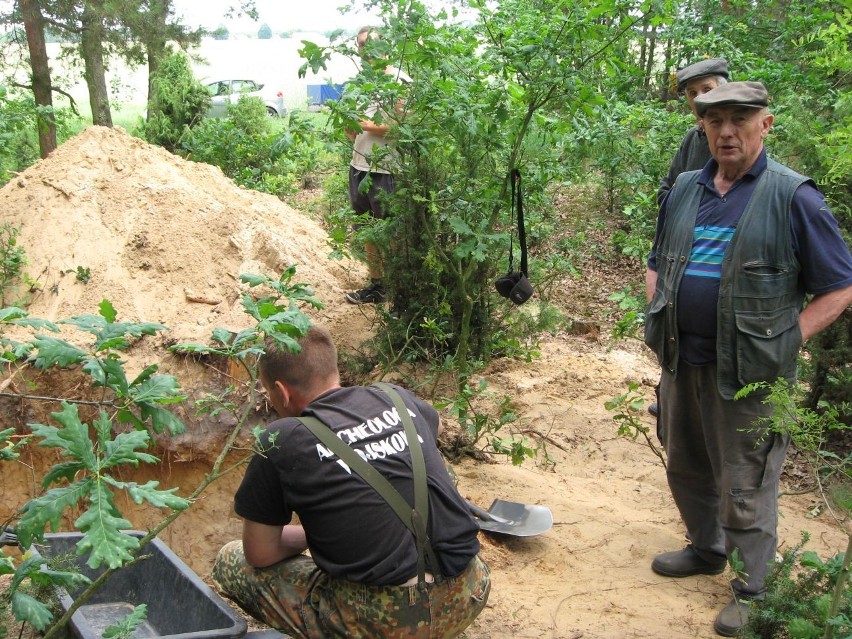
x: 275, y: 62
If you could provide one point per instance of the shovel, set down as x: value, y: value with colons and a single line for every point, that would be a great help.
x: 512, y: 518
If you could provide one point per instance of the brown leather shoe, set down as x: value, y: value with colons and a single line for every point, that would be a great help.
x: 732, y: 618
x: 685, y: 563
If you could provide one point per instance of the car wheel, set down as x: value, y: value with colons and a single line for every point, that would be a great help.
x: 271, y: 112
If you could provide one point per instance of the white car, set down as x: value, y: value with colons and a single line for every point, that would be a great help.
x: 225, y: 92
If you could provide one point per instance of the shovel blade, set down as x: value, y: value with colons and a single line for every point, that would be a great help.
x: 521, y: 520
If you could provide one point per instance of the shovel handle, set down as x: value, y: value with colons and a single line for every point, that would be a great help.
x: 483, y: 514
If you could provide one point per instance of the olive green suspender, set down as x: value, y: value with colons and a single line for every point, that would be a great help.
x: 415, y: 519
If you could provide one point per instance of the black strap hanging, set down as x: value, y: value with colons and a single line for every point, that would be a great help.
x: 514, y: 285
x: 518, y: 204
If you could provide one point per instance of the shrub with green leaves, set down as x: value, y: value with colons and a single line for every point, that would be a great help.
x: 255, y: 151
x: 239, y: 144
x: 798, y: 602
x: 18, y: 138
x: 628, y: 410
x: 12, y: 260
x: 488, y: 95
x: 482, y: 431
x: 177, y: 102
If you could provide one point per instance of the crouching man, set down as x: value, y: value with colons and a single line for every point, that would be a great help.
x: 361, y: 578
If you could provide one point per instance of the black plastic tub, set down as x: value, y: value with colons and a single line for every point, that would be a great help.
x: 180, y: 604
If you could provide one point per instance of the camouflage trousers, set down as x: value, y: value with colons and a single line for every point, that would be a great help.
x: 296, y: 597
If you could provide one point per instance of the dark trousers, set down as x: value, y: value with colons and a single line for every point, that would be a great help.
x: 723, y: 471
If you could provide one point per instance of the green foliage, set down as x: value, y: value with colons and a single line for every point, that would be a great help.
x: 809, y: 429
x: 277, y: 316
x: 30, y: 595
x: 19, y: 118
x: 631, y: 306
x: 83, y: 274
x: 253, y: 153
x: 180, y: 100
x: 12, y: 260
x: 140, y: 401
x: 828, y: 369
x: 265, y: 32
x: 630, y: 146
x: 240, y: 144
x: 825, y: 590
x: 18, y: 137
x: 303, y: 149
x: 738, y: 565
x: 482, y: 431
x: 85, y: 478
x: 629, y: 408
x: 797, y: 603
x: 124, y: 628
x: 482, y: 103
x: 11, y: 444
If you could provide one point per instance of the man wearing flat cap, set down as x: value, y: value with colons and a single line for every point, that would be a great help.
x: 739, y: 245
x: 693, y: 153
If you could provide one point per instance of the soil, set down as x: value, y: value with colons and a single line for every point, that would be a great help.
x: 165, y: 240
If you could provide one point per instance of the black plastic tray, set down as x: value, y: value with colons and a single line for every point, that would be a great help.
x: 180, y: 604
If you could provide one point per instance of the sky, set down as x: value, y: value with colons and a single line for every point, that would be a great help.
x: 280, y: 15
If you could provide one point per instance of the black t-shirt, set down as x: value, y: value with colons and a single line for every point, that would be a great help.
x: 351, y: 531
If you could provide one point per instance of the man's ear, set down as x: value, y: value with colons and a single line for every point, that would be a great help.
x: 279, y: 395
x: 766, y: 123
x: 283, y: 392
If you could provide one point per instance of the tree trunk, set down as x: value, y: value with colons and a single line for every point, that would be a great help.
x: 155, y: 47
x: 643, y: 51
x: 41, y: 83
x: 665, y: 92
x: 92, y: 52
x: 652, y: 50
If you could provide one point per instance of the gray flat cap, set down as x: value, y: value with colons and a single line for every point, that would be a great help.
x: 711, y: 66
x: 747, y: 94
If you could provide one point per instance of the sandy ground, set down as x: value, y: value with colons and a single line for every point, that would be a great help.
x: 158, y: 234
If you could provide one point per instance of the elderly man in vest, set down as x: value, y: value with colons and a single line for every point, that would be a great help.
x: 739, y: 244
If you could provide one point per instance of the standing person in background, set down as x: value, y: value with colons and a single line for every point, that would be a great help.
x: 371, y: 171
x: 694, y: 152
x: 739, y: 244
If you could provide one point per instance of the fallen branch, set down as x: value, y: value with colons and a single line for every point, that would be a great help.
x: 194, y: 297
x: 548, y: 438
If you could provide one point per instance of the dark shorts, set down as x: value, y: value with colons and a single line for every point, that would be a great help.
x: 296, y: 597
x: 367, y: 192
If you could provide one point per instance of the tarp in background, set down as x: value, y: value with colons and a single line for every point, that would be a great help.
x: 322, y: 93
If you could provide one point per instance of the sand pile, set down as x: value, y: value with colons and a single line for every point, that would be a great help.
x: 162, y: 238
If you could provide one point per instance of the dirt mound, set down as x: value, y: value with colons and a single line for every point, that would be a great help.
x: 162, y: 238
x: 108, y: 216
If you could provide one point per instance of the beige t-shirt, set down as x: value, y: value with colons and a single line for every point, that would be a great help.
x: 367, y: 144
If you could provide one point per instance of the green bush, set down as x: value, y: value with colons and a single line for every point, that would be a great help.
x: 18, y: 132
x: 177, y: 102
x: 12, y: 260
x: 253, y: 152
x: 798, y: 599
